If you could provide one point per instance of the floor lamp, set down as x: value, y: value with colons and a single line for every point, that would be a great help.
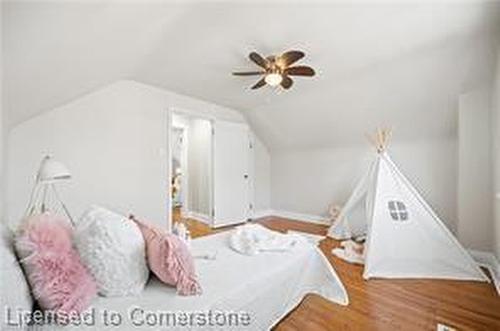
x: 50, y: 173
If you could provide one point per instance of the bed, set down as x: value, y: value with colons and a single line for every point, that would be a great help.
x: 239, y: 292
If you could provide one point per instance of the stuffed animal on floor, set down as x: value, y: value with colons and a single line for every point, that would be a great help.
x: 351, y: 251
x: 334, y: 212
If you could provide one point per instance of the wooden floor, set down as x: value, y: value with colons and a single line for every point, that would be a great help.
x: 384, y: 304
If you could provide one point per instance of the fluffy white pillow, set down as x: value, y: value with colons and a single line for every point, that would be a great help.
x: 15, y: 292
x: 113, y: 249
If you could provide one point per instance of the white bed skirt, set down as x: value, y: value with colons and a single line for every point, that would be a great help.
x: 254, y: 292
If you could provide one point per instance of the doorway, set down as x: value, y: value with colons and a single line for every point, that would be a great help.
x: 210, y: 170
x: 191, y: 168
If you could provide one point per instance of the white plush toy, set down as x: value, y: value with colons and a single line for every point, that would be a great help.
x: 334, y: 212
x: 181, y: 231
x: 350, y: 251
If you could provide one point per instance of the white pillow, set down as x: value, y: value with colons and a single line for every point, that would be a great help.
x: 15, y: 293
x: 113, y: 249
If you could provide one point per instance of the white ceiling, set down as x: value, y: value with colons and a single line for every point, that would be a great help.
x: 402, y: 65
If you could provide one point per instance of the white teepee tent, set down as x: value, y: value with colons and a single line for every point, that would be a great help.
x: 405, y: 238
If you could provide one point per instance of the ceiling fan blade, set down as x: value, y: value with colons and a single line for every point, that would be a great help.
x: 290, y: 57
x: 259, y: 60
x: 300, y: 71
x: 259, y: 84
x: 249, y: 73
x: 287, y: 82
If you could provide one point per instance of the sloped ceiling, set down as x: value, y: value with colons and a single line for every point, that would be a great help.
x: 378, y: 64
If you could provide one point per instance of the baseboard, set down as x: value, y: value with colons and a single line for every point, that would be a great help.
x: 268, y: 213
x: 293, y: 216
x: 262, y: 213
x: 490, y: 262
x: 199, y: 217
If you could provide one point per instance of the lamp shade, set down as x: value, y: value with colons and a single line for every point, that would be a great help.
x: 52, y: 171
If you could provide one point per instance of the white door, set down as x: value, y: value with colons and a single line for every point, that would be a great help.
x: 231, y: 160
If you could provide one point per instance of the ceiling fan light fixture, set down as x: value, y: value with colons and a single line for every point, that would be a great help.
x: 273, y: 79
x: 276, y: 71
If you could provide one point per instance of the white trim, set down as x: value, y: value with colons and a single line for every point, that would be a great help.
x: 490, y: 262
x: 293, y: 216
x: 262, y: 213
x: 199, y: 217
x: 301, y: 217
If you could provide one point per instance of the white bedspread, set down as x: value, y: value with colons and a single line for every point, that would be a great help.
x: 265, y: 286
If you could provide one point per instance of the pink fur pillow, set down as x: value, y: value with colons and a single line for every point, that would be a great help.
x: 169, y: 259
x: 57, y: 277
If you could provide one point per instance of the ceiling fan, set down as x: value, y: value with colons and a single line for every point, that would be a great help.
x: 277, y: 69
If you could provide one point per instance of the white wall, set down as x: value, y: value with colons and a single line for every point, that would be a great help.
x: 262, y: 174
x: 200, y: 165
x: 114, y: 141
x: 496, y: 154
x: 475, y: 210
x: 3, y: 136
x: 307, y: 181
